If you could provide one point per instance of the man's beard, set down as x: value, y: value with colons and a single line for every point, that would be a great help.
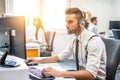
x: 73, y: 31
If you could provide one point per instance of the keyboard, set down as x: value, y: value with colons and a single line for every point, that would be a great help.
x: 35, y: 72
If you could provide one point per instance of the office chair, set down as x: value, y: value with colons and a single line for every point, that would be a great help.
x: 116, y: 33
x: 46, y: 50
x: 113, y: 57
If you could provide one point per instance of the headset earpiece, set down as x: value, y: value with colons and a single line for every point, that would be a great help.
x: 82, y: 21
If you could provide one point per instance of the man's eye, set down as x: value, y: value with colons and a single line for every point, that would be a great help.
x: 70, y: 21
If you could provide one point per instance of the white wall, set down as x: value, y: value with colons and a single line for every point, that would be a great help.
x: 2, y: 7
x: 115, y: 10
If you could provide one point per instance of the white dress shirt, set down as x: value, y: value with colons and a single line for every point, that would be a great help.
x: 96, y: 57
x: 93, y: 28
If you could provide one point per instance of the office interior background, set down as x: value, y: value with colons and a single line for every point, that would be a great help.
x: 52, y: 14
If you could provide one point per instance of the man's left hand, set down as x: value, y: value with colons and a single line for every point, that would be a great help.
x: 51, y: 71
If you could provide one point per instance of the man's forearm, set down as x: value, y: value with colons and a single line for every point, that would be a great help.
x: 79, y: 75
x: 49, y: 60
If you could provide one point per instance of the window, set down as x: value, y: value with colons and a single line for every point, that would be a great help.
x: 28, y: 8
x: 50, y: 11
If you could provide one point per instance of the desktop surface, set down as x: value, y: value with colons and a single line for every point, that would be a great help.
x: 14, y: 73
x: 22, y: 72
x: 61, y: 66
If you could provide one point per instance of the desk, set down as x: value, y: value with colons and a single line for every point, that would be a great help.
x: 22, y: 73
x: 62, y: 66
x: 16, y: 73
x: 32, y: 50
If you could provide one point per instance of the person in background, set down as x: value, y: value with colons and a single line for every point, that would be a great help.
x: 40, y: 36
x: 93, y: 20
x: 93, y: 25
x: 91, y: 60
x: 88, y: 16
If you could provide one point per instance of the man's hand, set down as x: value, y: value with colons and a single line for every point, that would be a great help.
x: 102, y: 33
x: 31, y: 61
x: 51, y: 71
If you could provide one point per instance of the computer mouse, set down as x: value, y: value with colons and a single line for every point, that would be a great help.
x: 28, y: 63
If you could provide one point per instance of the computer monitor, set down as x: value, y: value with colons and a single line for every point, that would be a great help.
x: 12, y: 35
x: 116, y: 33
x: 114, y: 25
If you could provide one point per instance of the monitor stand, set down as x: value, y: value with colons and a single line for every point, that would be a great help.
x: 9, y: 63
x: 3, y: 58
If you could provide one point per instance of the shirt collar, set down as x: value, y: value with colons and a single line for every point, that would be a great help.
x: 81, y: 37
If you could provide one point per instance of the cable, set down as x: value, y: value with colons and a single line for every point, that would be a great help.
x: 5, y: 46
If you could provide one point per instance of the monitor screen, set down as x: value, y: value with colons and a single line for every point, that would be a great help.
x: 12, y: 35
x: 114, y: 25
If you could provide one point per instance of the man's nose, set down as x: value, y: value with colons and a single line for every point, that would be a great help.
x: 67, y: 27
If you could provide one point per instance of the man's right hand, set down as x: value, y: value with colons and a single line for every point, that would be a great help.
x: 31, y: 61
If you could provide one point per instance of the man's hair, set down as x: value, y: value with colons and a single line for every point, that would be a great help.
x: 75, y: 11
x: 93, y: 18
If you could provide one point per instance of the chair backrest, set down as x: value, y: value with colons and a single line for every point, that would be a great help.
x: 116, y: 33
x: 50, y: 35
x: 113, y: 57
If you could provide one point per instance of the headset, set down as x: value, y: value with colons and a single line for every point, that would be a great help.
x: 81, y: 24
x: 82, y: 21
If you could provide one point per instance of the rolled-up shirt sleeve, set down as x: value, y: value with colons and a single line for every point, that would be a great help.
x: 95, y: 50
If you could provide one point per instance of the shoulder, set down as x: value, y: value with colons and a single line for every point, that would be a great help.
x: 96, y: 42
x: 94, y: 38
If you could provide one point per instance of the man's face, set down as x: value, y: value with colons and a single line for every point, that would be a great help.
x: 95, y: 22
x: 71, y: 23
